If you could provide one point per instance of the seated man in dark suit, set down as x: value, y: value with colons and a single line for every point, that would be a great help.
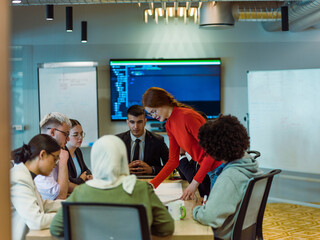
x: 147, y: 151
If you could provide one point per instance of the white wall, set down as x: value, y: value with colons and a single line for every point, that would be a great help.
x: 118, y: 31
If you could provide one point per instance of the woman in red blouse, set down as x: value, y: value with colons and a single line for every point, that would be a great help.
x: 182, y: 127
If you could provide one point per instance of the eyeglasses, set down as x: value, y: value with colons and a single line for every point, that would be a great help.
x: 66, y: 134
x: 76, y: 135
x: 152, y: 113
x: 56, y: 158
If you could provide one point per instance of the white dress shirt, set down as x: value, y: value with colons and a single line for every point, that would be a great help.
x: 141, y: 143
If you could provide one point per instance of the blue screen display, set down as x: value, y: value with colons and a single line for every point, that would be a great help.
x: 195, y: 82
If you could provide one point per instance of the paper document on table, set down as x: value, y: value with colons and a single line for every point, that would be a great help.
x: 169, y: 191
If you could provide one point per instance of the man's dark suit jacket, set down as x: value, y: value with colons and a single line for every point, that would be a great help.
x: 154, y: 149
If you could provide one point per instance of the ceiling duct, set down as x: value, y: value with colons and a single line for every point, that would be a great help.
x: 222, y: 15
x: 302, y: 15
x: 257, y: 11
x: 217, y: 15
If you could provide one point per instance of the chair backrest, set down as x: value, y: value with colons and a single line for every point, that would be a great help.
x: 101, y: 221
x: 256, y: 153
x: 248, y: 224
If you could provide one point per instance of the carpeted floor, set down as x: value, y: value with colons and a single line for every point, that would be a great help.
x: 283, y: 221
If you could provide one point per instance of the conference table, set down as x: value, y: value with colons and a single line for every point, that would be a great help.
x: 186, y: 229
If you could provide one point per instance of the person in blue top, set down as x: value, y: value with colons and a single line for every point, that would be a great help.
x: 225, y: 139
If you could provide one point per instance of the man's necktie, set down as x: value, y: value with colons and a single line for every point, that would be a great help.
x: 136, y: 150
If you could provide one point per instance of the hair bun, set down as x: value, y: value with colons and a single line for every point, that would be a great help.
x: 26, y: 150
x: 22, y: 154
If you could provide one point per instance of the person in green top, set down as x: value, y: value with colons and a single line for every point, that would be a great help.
x: 112, y: 183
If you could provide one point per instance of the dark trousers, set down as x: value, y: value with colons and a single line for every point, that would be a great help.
x: 188, y: 170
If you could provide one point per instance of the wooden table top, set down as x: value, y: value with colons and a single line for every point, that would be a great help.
x: 186, y: 229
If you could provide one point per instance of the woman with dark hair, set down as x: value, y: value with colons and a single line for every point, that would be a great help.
x: 182, y: 127
x: 78, y: 170
x: 226, y: 140
x: 29, y: 211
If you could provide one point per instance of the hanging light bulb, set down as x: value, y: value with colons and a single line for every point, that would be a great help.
x: 192, y: 11
x: 150, y: 12
x: 156, y: 16
x: 171, y: 11
x: 146, y: 16
x: 160, y: 12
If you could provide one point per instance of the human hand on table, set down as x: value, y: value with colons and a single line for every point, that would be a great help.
x: 89, y: 177
x: 83, y: 176
x: 190, y: 190
x: 139, y: 167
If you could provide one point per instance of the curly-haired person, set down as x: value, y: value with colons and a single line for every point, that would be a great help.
x: 226, y: 140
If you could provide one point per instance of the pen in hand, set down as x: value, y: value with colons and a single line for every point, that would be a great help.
x: 204, y: 200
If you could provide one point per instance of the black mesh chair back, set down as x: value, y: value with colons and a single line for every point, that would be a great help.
x: 256, y: 153
x: 249, y: 218
x: 104, y: 221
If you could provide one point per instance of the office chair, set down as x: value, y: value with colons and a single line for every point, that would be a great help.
x: 256, y: 153
x: 248, y: 224
x: 105, y: 221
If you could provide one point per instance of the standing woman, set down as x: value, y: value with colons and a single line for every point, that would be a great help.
x: 182, y: 127
x: 29, y: 211
x: 78, y: 171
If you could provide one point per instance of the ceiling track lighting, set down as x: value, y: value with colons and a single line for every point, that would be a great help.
x: 49, y: 12
x: 84, y: 35
x: 69, y: 19
x: 167, y: 11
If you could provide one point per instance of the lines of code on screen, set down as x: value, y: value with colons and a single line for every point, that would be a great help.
x: 192, y: 82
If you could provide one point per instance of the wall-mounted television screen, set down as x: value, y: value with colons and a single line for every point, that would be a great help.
x: 195, y: 82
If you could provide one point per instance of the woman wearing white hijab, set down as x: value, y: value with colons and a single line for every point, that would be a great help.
x: 112, y: 183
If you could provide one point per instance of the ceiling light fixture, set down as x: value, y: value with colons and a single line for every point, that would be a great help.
x: 49, y: 12
x: 174, y: 11
x: 284, y: 18
x: 84, y: 35
x: 69, y: 19
x: 160, y: 12
x: 146, y: 16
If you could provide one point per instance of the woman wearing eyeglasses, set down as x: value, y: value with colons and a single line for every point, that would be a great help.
x: 182, y: 127
x: 29, y: 211
x: 78, y: 171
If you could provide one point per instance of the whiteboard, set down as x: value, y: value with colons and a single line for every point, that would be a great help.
x: 284, y: 118
x: 73, y: 92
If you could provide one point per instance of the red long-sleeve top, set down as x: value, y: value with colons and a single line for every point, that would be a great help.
x: 182, y: 129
